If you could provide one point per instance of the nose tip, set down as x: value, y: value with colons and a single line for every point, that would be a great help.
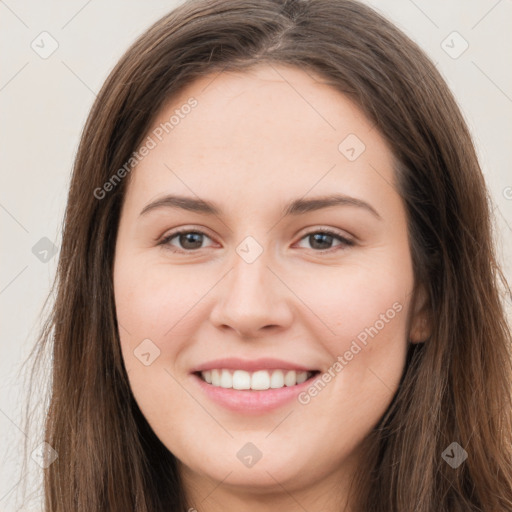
x: 251, y: 301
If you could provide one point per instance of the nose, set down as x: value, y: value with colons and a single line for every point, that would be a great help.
x: 252, y: 300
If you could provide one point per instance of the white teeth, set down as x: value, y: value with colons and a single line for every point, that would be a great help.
x: 215, y: 377
x: 259, y: 380
x: 226, y: 379
x: 277, y: 379
x: 241, y: 380
x: 290, y: 379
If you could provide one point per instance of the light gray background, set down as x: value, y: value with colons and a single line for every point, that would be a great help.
x: 44, y: 103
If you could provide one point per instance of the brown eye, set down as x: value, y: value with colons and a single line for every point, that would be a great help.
x: 187, y: 240
x: 323, y: 240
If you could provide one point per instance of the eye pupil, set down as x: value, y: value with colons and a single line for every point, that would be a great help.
x: 320, y: 237
x: 193, y: 238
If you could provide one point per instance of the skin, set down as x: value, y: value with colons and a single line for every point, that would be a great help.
x: 255, y: 141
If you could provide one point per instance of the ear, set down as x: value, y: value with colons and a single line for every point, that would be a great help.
x: 421, y: 323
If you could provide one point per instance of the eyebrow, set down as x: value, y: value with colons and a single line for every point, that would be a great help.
x: 295, y: 207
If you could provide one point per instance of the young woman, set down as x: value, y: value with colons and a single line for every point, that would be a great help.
x: 277, y: 287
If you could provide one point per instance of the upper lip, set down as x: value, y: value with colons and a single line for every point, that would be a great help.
x: 266, y: 363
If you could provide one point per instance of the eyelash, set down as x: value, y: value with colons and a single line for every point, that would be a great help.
x: 344, y: 241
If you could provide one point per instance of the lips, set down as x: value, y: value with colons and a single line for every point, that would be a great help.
x: 252, y: 386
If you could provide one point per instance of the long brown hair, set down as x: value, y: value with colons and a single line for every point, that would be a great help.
x: 456, y: 386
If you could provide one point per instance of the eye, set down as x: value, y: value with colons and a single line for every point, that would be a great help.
x: 189, y: 240
x: 323, y: 240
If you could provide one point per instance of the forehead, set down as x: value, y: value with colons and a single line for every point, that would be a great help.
x: 266, y: 100
x: 269, y: 129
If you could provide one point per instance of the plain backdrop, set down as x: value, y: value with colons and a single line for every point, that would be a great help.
x: 44, y: 101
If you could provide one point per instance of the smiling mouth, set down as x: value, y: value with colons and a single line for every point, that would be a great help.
x: 259, y: 380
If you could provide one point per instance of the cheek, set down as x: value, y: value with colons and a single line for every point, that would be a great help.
x: 155, y: 300
x: 364, y: 309
x: 155, y: 312
x: 158, y: 309
x: 364, y: 302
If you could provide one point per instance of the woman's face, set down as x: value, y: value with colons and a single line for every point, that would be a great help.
x: 256, y: 166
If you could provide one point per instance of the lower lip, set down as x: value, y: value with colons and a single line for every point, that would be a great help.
x: 252, y: 401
